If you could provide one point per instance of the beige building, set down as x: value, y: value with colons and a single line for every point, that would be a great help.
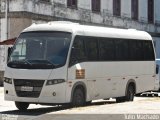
x: 133, y: 14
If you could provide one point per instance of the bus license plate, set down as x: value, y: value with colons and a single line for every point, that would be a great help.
x: 26, y: 88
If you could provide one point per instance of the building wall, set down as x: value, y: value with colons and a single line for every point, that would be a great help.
x: 143, y: 11
x: 125, y: 9
x: 51, y: 9
x: 107, y: 7
x: 84, y: 14
x: 16, y: 25
x: 60, y: 1
x: 85, y: 4
x: 157, y: 11
x: 2, y: 48
x: 157, y: 46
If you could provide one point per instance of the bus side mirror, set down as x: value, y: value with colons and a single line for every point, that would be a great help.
x: 157, y: 69
x: 9, y: 52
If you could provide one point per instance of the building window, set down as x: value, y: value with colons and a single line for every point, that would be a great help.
x: 150, y: 11
x: 134, y: 9
x: 116, y: 7
x: 72, y: 3
x: 96, y: 5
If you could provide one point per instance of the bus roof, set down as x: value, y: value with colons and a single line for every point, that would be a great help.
x: 87, y: 30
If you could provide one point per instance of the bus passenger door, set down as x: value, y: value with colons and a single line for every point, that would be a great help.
x: 92, y: 92
x: 103, y: 86
x: 99, y: 88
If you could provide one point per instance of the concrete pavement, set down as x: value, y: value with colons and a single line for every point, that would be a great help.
x: 149, y: 107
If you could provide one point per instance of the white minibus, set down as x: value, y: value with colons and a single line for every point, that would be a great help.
x: 63, y: 62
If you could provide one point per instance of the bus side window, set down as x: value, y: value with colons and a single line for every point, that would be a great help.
x: 148, y: 48
x: 78, y: 53
x: 107, y: 49
x: 92, y: 48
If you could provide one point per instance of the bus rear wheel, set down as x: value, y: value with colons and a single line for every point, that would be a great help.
x: 22, y: 106
x: 78, y: 97
x: 130, y: 93
x: 120, y: 99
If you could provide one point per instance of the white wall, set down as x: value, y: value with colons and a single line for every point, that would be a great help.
x: 126, y: 8
x: 107, y: 6
x: 85, y: 4
x: 2, y: 58
x: 3, y: 29
x: 3, y: 36
x: 2, y: 48
x: 157, y: 11
x: 16, y: 5
x: 2, y: 5
x: 60, y: 1
x: 143, y: 6
x: 157, y: 46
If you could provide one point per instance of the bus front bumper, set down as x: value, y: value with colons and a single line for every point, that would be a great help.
x: 49, y: 94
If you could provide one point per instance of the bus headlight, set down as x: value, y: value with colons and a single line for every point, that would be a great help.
x: 8, y: 80
x: 55, y: 81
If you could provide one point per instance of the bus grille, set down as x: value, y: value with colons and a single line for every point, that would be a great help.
x: 36, y: 86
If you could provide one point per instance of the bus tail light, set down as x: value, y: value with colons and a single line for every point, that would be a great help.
x: 55, y: 81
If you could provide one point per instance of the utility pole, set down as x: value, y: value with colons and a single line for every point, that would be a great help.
x: 6, y: 29
x: 6, y: 19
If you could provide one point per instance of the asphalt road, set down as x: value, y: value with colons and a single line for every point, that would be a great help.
x: 145, y: 108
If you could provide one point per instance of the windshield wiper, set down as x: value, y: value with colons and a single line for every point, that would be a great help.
x: 53, y: 64
x: 43, y: 62
x: 32, y: 63
x: 27, y: 61
x: 19, y: 63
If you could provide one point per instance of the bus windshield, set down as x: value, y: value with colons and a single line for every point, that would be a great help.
x: 40, y: 50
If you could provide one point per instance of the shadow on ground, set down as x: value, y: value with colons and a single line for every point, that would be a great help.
x: 41, y: 111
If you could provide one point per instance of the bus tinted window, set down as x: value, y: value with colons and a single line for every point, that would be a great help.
x: 113, y: 49
x: 79, y: 49
x: 139, y: 50
x: 107, y: 49
x: 149, y: 52
x: 122, y: 48
x: 92, y: 48
x: 136, y: 50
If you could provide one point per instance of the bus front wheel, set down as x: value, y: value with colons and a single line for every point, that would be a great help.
x: 78, y: 97
x: 22, y: 106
